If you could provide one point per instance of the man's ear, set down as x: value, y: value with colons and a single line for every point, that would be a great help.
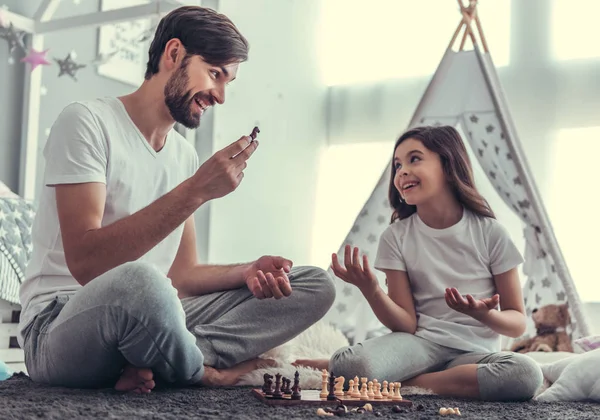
x: 174, y: 52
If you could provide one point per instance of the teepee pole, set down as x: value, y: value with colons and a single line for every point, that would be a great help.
x: 520, y: 160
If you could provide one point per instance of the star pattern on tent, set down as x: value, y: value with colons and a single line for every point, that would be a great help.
x: 492, y: 175
x: 525, y: 204
x: 386, y: 203
x: 480, y: 152
x: 347, y: 291
x: 13, y: 37
x: 502, y: 136
x: 68, y: 66
x: 517, y: 181
x: 484, y: 143
x: 355, y: 229
x: 372, y: 238
x: 546, y: 283
x: 560, y: 296
x: 508, y: 156
x: 380, y: 219
x: 531, y: 285
x: 497, y: 150
x: 538, y: 299
x: 341, y: 307
x: 553, y: 268
x: 364, y: 213
x: 474, y: 118
x: 507, y: 194
x: 489, y: 128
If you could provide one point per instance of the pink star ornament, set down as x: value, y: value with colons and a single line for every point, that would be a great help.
x: 36, y: 58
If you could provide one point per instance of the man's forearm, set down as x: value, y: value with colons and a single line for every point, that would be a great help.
x: 205, y: 279
x: 103, y: 249
x: 508, y: 322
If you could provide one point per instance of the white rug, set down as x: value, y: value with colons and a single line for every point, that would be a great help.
x: 318, y: 342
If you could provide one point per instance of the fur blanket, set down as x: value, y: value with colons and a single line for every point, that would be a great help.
x: 318, y: 342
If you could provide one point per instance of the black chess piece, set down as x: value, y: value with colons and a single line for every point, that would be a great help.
x: 277, y: 394
x: 283, y: 384
x: 296, y: 388
x: 267, y: 387
x: 288, y: 390
x: 331, y: 396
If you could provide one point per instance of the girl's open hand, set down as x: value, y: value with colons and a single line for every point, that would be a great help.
x: 469, y: 306
x: 352, y: 272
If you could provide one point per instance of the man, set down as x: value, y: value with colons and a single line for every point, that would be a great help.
x: 114, y: 295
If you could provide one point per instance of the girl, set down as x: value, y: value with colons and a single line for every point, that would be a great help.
x: 449, y: 266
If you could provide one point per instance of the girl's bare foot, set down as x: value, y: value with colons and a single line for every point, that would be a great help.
x: 231, y: 376
x: 133, y: 379
x: 318, y: 364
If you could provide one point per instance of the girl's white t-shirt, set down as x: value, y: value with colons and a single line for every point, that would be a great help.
x: 466, y: 256
x: 96, y: 141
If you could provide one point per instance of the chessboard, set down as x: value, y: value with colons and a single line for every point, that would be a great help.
x: 312, y: 397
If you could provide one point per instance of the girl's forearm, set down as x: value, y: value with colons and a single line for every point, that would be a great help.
x: 508, y: 322
x: 389, y: 313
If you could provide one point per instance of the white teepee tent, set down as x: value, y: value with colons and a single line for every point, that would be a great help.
x: 465, y: 92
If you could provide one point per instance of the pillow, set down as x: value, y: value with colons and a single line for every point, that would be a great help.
x: 6, y: 192
x: 576, y: 378
x: 584, y: 344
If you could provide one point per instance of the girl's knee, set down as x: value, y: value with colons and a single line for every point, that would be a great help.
x: 514, y: 377
x: 351, y: 361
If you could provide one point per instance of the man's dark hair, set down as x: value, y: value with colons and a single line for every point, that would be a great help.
x: 202, y: 31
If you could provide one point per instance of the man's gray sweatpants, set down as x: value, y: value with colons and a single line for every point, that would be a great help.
x: 132, y: 315
x: 397, y: 357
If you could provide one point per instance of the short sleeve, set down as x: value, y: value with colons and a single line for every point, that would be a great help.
x: 75, y: 151
x: 389, y: 256
x: 503, y: 253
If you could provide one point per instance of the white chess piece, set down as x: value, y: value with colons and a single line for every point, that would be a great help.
x: 355, y: 391
x: 363, y: 392
x: 397, y: 395
x: 378, y: 395
x: 370, y: 392
x: 391, y: 392
x: 324, y: 390
x: 350, y: 388
x: 385, y: 392
x: 339, y: 386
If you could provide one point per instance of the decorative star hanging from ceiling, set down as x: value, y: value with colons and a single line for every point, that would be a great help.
x: 68, y: 66
x: 36, y: 58
x: 13, y: 37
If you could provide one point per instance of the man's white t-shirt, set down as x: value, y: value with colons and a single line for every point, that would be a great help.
x: 466, y: 256
x: 96, y: 141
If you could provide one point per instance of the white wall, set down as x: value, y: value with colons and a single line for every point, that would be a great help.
x: 278, y: 89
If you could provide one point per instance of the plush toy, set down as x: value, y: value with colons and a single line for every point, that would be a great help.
x: 550, y: 322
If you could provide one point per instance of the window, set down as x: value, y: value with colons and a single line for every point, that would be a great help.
x: 574, y: 205
x: 575, y: 31
x: 389, y: 39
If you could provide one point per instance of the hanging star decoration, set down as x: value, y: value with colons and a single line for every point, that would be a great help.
x: 68, y: 66
x: 13, y: 37
x: 36, y: 58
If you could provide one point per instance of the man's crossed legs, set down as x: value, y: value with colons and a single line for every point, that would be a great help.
x: 128, y: 327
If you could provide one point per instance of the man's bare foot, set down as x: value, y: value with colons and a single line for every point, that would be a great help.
x: 231, y: 376
x: 318, y: 364
x: 133, y: 379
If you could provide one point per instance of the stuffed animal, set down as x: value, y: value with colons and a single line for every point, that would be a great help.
x: 550, y: 322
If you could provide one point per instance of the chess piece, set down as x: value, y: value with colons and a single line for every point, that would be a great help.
x: 288, y: 389
x: 391, y: 393
x: 378, y: 395
x: 355, y: 392
x: 324, y: 392
x: 397, y: 395
x: 331, y: 396
x: 267, y: 387
x: 370, y: 392
x: 363, y: 391
x: 350, y: 388
x: 296, y: 388
x: 385, y: 392
x: 283, y: 384
x: 277, y: 394
x: 339, y: 386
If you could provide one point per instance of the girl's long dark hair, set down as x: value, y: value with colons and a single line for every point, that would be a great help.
x: 447, y: 143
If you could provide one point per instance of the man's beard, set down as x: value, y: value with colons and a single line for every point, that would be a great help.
x: 180, y: 103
